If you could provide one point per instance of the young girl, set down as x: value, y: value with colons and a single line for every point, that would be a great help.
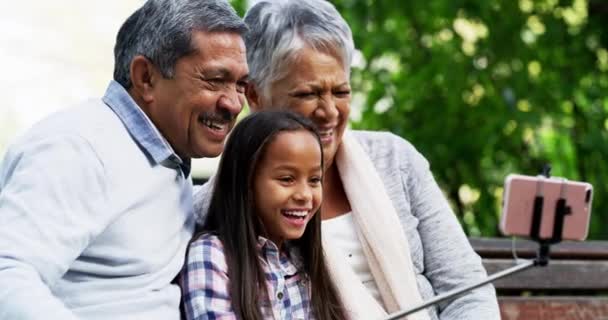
x: 259, y: 254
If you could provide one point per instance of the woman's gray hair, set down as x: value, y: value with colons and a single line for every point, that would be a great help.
x: 161, y: 30
x: 278, y: 29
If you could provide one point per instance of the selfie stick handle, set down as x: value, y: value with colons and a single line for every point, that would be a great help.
x: 453, y: 293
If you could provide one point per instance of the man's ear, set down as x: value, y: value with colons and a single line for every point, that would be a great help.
x: 253, y: 98
x: 144, y: 76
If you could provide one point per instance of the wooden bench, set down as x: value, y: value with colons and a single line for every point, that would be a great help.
x: 574, y: 286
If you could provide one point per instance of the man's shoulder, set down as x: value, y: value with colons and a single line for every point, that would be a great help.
x: 91, y: 123
x: 88, y: 119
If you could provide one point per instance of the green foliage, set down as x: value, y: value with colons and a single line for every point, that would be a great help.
x: 487, y: 88
x: 240, y: 6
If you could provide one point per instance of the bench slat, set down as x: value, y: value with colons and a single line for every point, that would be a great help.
x: 558, y: 275
x: 553, y: 308
x: 501, y: 248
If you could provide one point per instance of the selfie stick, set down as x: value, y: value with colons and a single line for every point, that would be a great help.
x: 542, y: 255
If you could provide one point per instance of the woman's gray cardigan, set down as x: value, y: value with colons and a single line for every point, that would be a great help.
x: 442, y: 256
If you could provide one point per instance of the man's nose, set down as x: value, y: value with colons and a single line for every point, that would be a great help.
x: 230, y: 101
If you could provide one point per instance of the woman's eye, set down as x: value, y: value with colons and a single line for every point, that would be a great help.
x: 304, y: 95
x: 342, y: 93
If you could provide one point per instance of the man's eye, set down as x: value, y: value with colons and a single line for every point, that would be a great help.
x: 213, y: 81
x: 240, y: 86
x: 209, y: 83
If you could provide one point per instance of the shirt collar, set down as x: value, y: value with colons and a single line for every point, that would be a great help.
x: 142, y: 129
x: 288, y: 256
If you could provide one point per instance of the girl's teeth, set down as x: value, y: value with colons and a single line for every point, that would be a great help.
x: 299, y: 214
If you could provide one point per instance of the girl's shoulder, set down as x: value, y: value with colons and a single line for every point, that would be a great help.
x: 208, y: 250
x: 207, y: 239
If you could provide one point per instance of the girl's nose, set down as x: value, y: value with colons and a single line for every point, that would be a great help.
x: 303, y: 193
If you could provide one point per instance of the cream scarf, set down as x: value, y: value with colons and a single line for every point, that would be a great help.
x: 384, y: 242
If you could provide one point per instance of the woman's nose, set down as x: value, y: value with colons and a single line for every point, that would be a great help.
x: 327, y: 108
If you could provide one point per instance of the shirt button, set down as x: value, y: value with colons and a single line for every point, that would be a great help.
x: 280, y: 295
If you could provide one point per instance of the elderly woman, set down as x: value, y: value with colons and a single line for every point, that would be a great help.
x: 389, y: 234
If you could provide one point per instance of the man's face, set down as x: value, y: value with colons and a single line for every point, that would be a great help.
x: 197, y: 108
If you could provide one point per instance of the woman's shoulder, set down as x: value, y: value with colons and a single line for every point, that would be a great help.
x: 388, y: 149
x: 201, y: 200
x: 382, y: 141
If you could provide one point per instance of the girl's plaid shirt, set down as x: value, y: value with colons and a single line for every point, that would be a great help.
x: 205, y: 281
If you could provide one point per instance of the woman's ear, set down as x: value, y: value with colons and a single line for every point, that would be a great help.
x: 143, y: 78
x: 253, y: 98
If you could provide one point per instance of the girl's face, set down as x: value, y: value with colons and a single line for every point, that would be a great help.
x: 287, y: 185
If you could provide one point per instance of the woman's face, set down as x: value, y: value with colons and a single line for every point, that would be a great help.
x: 287, y: 185
x: 317, y: 86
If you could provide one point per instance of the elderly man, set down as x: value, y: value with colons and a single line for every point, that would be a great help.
x: 96, y: 201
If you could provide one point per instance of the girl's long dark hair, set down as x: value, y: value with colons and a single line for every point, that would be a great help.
x: 232, y: 218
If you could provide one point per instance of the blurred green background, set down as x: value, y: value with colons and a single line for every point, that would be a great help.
x: 482, y: 88
x: 487, y: 88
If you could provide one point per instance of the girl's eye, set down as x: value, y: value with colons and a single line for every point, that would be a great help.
x: 286, y: 179
x: 315, y: 181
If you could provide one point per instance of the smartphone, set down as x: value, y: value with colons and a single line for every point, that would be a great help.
x: 523, y: 193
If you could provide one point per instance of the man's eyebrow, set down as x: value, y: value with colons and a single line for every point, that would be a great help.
x: 215, y: 72
x: 221, y: 72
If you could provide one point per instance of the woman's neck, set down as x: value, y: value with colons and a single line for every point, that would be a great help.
x: 335, y: 202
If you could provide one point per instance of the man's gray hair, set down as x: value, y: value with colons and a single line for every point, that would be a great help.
x: 161, y: 30
x: 278, y: 29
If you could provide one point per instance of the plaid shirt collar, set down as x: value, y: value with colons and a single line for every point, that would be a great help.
x: 288, y: 258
